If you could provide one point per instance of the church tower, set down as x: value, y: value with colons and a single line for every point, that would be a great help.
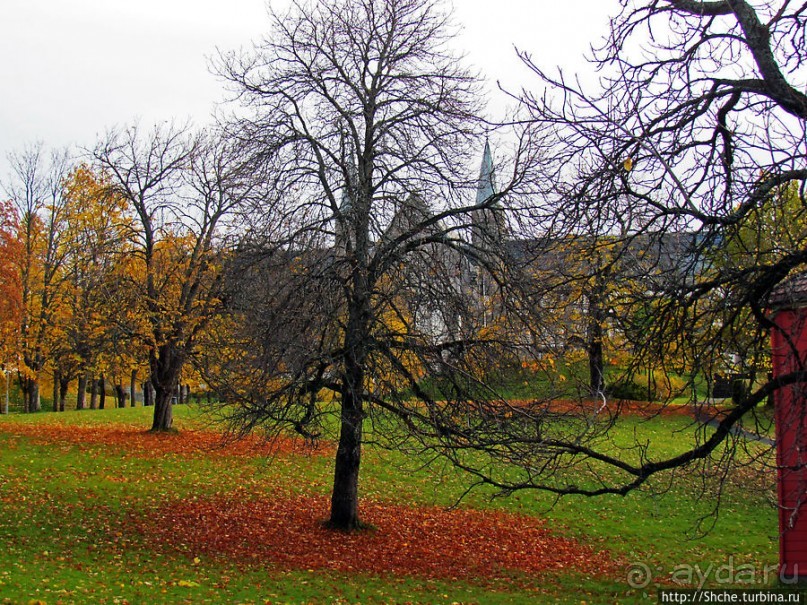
x: 487, y: 237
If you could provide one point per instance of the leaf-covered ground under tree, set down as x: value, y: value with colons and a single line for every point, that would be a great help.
x: 287, y: 530
x: 96, y: 509
x: 416, y: 541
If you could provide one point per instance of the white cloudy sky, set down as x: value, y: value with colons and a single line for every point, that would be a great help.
x: 69, y: 69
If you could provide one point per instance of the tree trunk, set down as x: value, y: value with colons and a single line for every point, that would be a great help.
x: 596, y: 359
x: 166, y: 367
x: 24, y: 389
x: 120, y: 396
x: 101, y: 392
x: 34, y: 402
x: 55, y: 392
x: 163, y: 409
x: 345, y: 497
x: 30, y: 394
x: 64, y: 386
x: 148, y: 394
x: 133, y: 389
x: 82, y: 391
x: 93, y: 393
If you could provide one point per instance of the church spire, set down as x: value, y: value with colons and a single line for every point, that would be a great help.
x: 486, y: 185
x: 488, y: 227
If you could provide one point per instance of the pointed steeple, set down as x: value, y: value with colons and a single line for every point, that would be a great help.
x: 486, y: 185
x: 488, y: 228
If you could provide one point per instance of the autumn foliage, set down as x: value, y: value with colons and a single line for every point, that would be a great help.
x: 287, y: 531
x: 137, y: 442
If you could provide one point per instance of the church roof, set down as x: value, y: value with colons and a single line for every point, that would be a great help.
x: 409, y: 214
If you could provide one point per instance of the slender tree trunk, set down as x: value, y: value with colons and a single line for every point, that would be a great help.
x: 596, y: 359
x: 56, y: 376
x: 120, y: 396
x: 24, y: 389
x: 133, y: 389
x: 101, y: 392
x: 93, y: 393
x: 148, y: 394
x: 82, y: 391
x: 64, y: 386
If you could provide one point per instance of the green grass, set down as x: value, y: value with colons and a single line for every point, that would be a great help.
x: 63, y: 507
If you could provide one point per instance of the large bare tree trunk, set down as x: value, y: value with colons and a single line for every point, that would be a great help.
x: 345, y: 496
x: 166, y: 368
x: 33, y: 402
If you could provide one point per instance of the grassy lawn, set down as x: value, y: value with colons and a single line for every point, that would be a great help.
x: 70, y: 513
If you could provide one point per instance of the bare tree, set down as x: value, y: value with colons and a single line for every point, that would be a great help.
x: 697, y: 128
x: 357, y: 281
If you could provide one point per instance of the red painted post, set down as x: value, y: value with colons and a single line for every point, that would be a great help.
x: 789, y: 354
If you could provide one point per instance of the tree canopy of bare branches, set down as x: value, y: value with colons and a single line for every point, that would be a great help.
x: 348, y: 285
x: 695, y: 135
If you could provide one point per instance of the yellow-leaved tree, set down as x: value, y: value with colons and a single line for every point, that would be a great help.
x: 180, y: 190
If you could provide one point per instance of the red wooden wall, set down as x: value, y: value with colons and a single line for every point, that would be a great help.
x: 789, y: 353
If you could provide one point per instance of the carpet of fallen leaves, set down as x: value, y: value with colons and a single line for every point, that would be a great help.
x: 135, y: 441
x: 286, y: 531
x: 643, y: 409
x: 481, y: 546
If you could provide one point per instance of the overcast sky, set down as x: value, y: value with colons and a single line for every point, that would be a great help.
x: 72, y: 68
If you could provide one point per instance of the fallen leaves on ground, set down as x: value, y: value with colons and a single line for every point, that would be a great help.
x: 481, y: 546
x: 624, y: 407
x: 134, y: 440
